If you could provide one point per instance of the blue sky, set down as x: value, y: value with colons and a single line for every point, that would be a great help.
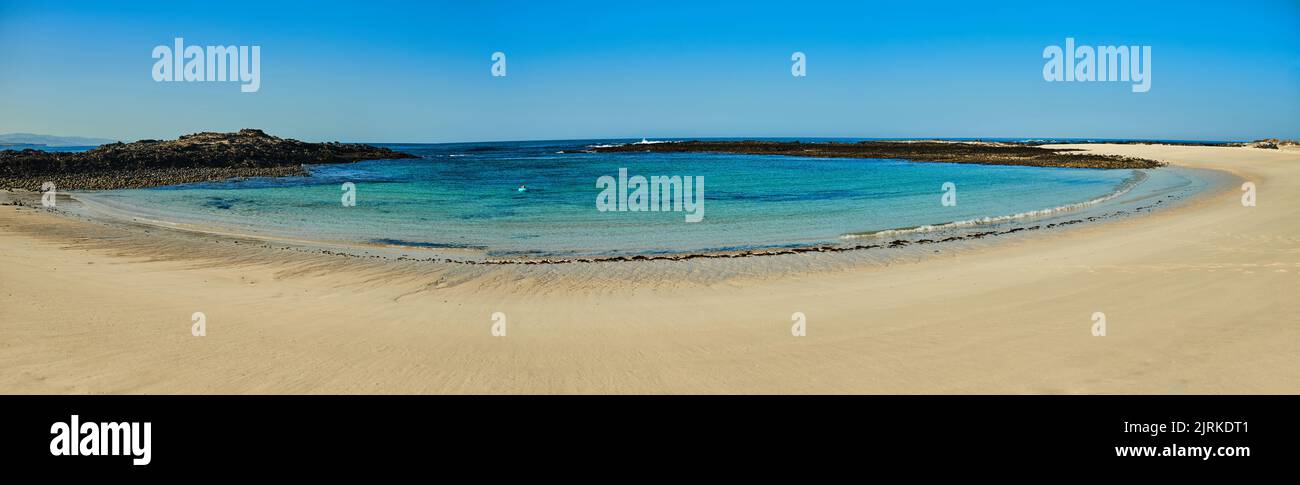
x: 420, y: 72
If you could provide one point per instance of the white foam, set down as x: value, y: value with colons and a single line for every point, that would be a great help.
x: 1125, y: 187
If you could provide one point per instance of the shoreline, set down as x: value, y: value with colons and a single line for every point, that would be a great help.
x: 1197, y: 297
x: 931, y: 234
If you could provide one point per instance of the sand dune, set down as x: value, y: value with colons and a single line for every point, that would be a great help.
x: 1198, y: 299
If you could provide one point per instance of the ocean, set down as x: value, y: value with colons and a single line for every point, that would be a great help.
x: 466, y: 196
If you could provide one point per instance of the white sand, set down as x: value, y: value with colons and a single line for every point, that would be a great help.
x: 1198, y: 299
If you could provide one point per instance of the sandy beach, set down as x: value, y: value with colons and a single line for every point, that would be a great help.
x: 1198, y: 299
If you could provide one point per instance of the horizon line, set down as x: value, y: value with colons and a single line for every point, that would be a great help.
x: 740, y: 137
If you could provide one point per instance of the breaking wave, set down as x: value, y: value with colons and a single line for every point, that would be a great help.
x: 1123, y: 188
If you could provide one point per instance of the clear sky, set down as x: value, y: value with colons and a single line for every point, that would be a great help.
x: 420, y: 72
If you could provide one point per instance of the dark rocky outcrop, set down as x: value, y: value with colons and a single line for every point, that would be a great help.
x: 191, y: 158
x: 990, y: 153
x: 1268, y: 143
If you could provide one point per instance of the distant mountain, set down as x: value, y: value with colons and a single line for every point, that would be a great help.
x: 50, y: 140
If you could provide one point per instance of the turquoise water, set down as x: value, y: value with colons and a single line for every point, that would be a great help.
x: 465, y: 196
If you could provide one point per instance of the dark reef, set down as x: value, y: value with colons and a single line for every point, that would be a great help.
x: 198, y: 157
x: 989, y: 153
